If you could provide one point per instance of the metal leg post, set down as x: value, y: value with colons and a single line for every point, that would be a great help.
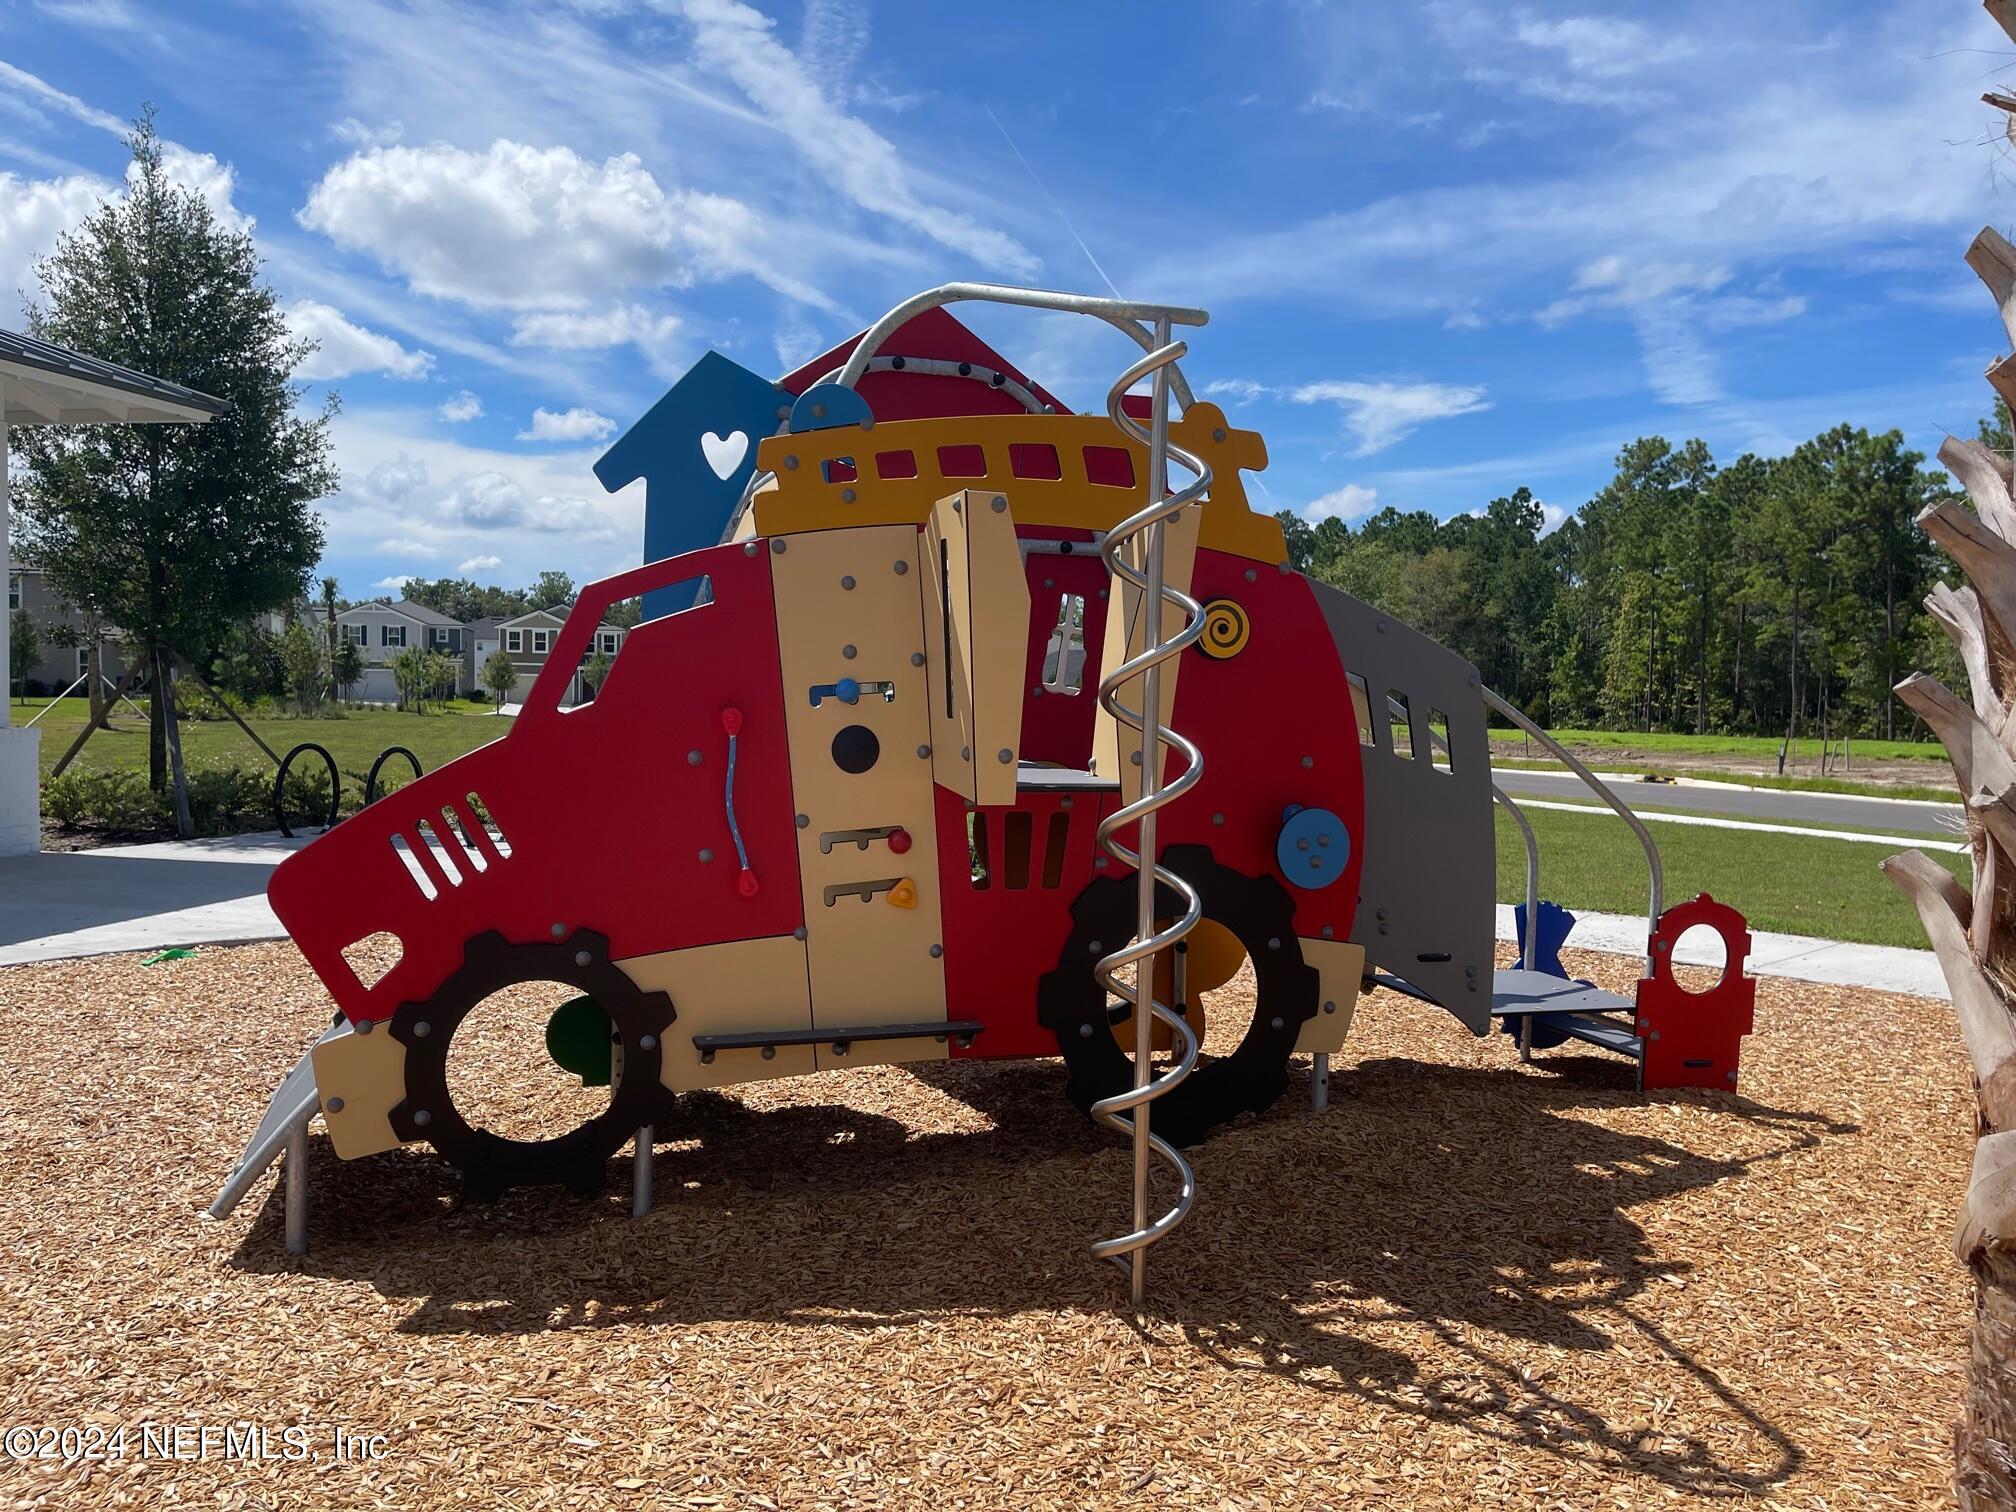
x: 296, y: 1198
x: 1319, y: 1083
x: 640, y: 1173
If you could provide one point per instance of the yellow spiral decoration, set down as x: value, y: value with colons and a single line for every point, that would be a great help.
x: 1226, y: 630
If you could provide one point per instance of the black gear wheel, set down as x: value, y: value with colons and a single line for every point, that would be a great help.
x: 1073, y: 1006
x: 577, y: 1159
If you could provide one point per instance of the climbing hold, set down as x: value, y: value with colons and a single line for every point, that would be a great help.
x: 903, y: 894
x: 1313, y: 849
x: 1226, y: 630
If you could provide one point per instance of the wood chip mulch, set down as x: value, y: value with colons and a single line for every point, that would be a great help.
x: 1467, y: 1284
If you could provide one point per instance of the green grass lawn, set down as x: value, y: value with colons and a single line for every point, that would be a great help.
x: 1764, y: 748
x: 354, y: 740
x: 1789, y: 883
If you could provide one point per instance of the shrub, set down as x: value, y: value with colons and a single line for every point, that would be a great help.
x: 118, y: 800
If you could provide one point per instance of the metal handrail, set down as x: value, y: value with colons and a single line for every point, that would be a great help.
x: 1145, y: 530
x: 1602, y: 790
x: 1532, y: 873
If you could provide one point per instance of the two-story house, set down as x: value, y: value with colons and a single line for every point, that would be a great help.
x: 528, y: 640
x: 56, y: 665
x: 380, y: 630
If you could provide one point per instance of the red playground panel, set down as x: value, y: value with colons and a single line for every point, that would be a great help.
x: 1695, y: 1039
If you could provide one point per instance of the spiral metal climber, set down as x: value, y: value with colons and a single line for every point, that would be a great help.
x: 1133, y: 551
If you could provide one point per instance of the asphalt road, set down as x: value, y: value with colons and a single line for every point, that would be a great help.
x: 1817, y: 809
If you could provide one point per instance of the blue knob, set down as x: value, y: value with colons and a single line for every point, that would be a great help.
x: 847, y: 690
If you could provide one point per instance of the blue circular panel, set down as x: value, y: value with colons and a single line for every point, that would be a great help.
x: 827, y: 406
x: 1314, y: 848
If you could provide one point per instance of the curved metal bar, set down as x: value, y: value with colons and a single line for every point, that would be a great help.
x: 1601, y: 790
x: 1146, y: 527
x: 280, y: 788
x: 371, y: 782
x: 1126, y: 314
x: 1532, y: 873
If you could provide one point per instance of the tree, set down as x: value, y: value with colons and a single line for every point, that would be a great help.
x: 307, y: 667
x: 500, y: 676
x: 595, y: 669
x: 463, y: 600
x: 174, y: 533
x: 346, y: 668
x: 413, y: 675
x: 553, y: 590
x: 329, y: 611
x: 1973, y: 932
x: 24, y: 646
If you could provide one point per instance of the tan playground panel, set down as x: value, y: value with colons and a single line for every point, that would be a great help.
x: 1467, y: 1284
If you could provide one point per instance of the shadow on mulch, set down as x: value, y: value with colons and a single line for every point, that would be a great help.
x: 1455, y: 1199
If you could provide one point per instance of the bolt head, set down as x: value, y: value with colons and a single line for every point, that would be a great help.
x: 334, y: 1105
x: 849, y: 652
x: 1277, y: 1022
x: 846, y: 496
x: 937, y: 951
x: 847, y: 583
x: 777, y: 547
x: 999, y: 505
x: 1005, y: 756
x: 582, y: 958
x: 422, y: 1118
x: 363, y: 1026
x: 1330, y: 1007
x: 769, y: 1052
x: 1084, y: 1031
x: 694, y: 758
x: 902, y: 568
x: 923, y: 751
x: 647, y: 1042
x: 422, y: 1029
x: 558, y: 931
x: 790, y: 464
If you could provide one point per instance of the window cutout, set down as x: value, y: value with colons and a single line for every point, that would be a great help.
x: 414, y: 870
x: 976, y: 850
x: 962, y: 462
x: 1064, y: 657
x: 896, y: 464
x: 1399, y: 723
x: 1702, y: 947
x: 457, y: 825
x: 1018, y: 831
x: 1053, y: 848
x: 1438, y: 741
x: 1109, y: 466
x: 372, y: 958
x: 838, y: 469
x: 1361, y: 707
x: 439, y: 850
x: 1034, y: 459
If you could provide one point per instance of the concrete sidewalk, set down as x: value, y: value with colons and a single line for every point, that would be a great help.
x: 58, y: 904
x: 1888, y: 968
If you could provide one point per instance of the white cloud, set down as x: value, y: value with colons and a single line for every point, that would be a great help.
x: 1380, y: 414
x: 34, y: 214
x: 397, y: 583
x: 390, y: 483
x: 621, y: 324
x: 1351, y: 502
x: 527, y: 228
x: 1239, y: 389
x: 346, y: 348
x: 463, y: 407
x: 357, y: 134
x: 202, y: 172
x: 741, y: 43
x: 409, y: 546
x: 479, y: 564
x: 576, y: 424
x: 491, y: 501
x: 1603, y: 47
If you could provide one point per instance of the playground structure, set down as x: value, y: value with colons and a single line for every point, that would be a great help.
x: 928, y: 665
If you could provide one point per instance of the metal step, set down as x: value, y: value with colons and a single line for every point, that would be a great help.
x: 1574, y: 1008
x: 1607, y: 1033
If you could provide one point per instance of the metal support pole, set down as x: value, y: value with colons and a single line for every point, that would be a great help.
x: 1151, y: 783
x: 640, y: 1173
x: 296, y: 1198
x: 1319, y: 1083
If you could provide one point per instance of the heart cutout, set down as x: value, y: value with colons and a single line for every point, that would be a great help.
x: 724, y: 453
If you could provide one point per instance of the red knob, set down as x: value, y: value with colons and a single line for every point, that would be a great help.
x: 899, y: 841
x: 746, y: 883
x: 731, y: 721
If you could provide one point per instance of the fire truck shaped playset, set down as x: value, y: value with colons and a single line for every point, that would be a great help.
x: 926, y: 662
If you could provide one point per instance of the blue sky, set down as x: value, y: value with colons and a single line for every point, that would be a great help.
x: 1449, y: 248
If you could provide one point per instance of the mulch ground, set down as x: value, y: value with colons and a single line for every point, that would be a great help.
x: 1467, y: 1284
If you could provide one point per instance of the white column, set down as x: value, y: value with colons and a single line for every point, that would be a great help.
x: 20, y: 750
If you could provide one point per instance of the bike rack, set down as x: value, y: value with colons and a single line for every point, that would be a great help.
x: 371, y: 782
x: 280, y: 788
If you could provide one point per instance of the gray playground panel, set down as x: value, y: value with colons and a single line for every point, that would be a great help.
x: 294, y: 1102
x: 1428, y: 891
